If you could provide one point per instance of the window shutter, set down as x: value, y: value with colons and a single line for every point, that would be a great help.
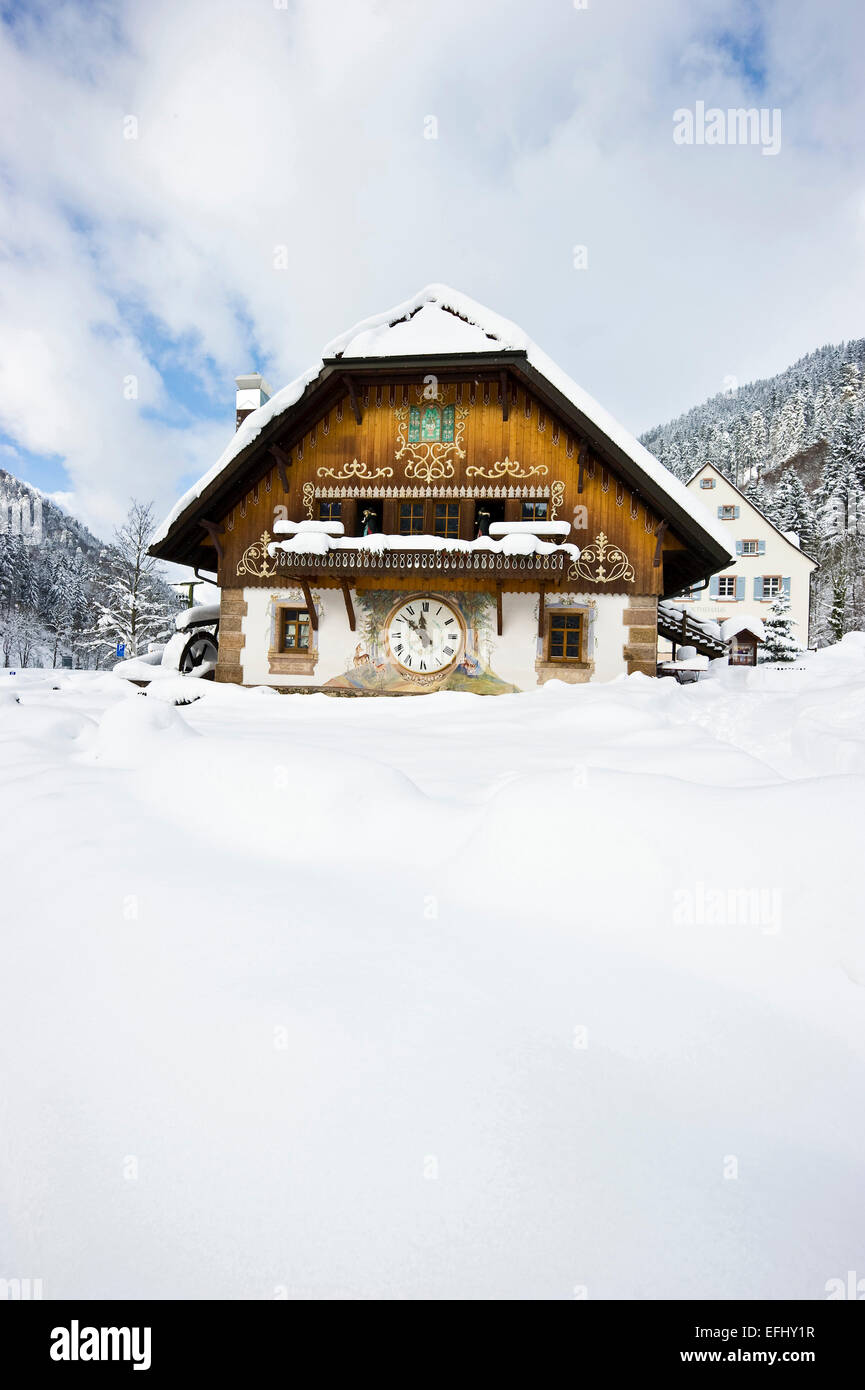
x: 758, y: 586
x: 761, y: 547
x: 738, y: 547
x: 720, y: 512
x: 736, y: 511
x: 786, y: 584
x: 713, y: 586
x: 740, y: 587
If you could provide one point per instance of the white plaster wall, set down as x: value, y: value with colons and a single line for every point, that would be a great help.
x: 515, y: 652
x: 336, y: 641
x: 781, y: 557
x: 512, y: 655
x: 610, y: 635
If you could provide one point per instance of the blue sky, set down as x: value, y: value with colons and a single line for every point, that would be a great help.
x: 157, y: 161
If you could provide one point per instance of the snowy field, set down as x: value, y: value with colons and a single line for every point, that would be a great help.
x: 550, y: 995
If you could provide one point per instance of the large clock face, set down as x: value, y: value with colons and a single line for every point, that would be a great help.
x: 425, y: 635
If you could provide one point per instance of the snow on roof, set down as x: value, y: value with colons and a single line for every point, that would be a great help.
x: 731, y: 627
x: 441, y: 320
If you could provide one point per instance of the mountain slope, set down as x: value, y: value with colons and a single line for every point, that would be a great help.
x: 762, y: 427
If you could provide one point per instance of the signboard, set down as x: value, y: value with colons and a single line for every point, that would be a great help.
x: 121, y: 650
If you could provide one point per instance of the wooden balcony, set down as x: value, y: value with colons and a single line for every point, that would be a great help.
x: 425, y: 564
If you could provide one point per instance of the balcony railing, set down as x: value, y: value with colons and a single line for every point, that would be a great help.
x: 475, y: 562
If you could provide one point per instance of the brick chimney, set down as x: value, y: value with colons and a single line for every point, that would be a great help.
x: 252, y: 391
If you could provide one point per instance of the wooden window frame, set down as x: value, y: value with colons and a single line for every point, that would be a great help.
x: 526, y: 502
x: 707, y: 482
x: 728, y: 511
x: 770, y: 598
x: 750, y: 553
x: 551, y: 617
x: 413, y: 504
x: 329, y: 502
x: 726, y: 579
x: 452, y: 523
x: 282, y: 621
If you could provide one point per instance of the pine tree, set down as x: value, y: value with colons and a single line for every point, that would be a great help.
x: 793, y: 509
x: 133, y: 605
x: 838, y: 611
x: 780, y: 644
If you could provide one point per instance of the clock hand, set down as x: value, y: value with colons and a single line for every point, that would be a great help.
x: 421, y: 631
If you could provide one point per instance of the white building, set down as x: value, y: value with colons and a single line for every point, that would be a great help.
x: 768, y: 562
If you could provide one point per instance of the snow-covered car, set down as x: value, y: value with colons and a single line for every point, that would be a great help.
x: 191, y: 650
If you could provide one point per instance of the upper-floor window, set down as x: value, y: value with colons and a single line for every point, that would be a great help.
x: 535, y: 511
x: 431, y: 424
x: 446, y: 520
x: 727, y: 586
x: 728, y: 513
x: 329, y: 511
x: 750, y: 547
x: 411, y: 518
x: 707, y: 482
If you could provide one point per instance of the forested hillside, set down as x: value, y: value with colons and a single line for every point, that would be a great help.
x: 795, y: 444
x: 66, y: 594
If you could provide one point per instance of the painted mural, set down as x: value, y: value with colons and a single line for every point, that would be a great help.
x: 371, y: 668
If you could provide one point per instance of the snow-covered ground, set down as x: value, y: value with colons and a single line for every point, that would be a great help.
x: 448, y: 996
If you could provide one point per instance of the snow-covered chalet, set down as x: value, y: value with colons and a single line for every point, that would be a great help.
x: 436, y: 505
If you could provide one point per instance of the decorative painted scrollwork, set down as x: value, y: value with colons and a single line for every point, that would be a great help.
x: 507, y: 468
x: 557, y: 496
x: 309, y: 499
x: 429, y: 470
x: 255, y: 559
x: 355, y: 470
x: 602, y: 562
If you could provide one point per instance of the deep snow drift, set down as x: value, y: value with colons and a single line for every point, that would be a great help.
x: 446, y: 996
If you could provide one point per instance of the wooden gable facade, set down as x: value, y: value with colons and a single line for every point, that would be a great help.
x: 439, y: 446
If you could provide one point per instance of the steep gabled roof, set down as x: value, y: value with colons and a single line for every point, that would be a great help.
x: 754, y: 508
x: 440, y: 326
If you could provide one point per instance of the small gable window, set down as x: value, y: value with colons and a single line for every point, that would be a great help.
x: 430, y: 424
x: 707, y: 482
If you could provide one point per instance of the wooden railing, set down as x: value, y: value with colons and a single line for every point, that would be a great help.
x: 686, y: 631
x: 427, y: 562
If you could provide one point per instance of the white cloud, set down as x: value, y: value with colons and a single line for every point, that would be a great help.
x: 304, y: 128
